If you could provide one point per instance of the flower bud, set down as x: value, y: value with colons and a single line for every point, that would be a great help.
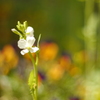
x: 25, y: 24
x: 16, y: 32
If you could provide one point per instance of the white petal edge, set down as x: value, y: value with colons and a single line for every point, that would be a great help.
x: 22, y: 43
x: 23, y: 52
x: 30, y: 30
x: 34, y: 49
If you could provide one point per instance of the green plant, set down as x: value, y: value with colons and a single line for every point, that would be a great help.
x: 26, y: 42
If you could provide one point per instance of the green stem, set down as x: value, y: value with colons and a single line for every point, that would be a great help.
x: 89, y: 45
x: 35, y: 71
x: 35, y: 77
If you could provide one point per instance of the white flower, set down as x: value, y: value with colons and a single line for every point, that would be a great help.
x: 26, y: 45
x: 29, y: 31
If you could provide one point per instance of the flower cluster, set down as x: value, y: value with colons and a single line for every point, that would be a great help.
x: 27, y: 39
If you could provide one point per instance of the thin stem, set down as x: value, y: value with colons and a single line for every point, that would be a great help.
x: 33, y: 61
x: 37, y: 54
x: 38, y: 40
x: 89, y: 7
x: 35, y: 77
x: 36, y: 72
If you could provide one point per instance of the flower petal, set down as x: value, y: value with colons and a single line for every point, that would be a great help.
x: 29, y: 31
x: 30, y: 41
x: 24, y: 51
x: 34, y: 49
x: 22, y: 43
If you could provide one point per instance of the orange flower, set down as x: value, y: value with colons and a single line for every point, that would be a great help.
x: 65, y: 62
x: 56, y: 72
x: 48, y: 51
x: 74, y: 71
x: 9, y: 59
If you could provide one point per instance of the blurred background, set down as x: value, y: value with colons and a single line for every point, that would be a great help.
x: 69, y: 62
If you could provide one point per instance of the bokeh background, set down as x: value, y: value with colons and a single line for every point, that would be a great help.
x: 69, y: 60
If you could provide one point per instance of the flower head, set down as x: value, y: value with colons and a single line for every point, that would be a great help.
x: 27, y: 44
x: 27, y: 39
x: 23, y: 30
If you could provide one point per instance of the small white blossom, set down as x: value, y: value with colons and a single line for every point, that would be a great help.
x: 27, y: 44
x: 29, y: 31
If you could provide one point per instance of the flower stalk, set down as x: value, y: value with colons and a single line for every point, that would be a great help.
x: 26, y: 42
x: 35, y: 77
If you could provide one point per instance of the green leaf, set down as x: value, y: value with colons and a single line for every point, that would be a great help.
x: 31, y: 76
x: 31, y: 82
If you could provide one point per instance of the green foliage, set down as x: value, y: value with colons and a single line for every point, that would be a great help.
x: 31, y: 82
